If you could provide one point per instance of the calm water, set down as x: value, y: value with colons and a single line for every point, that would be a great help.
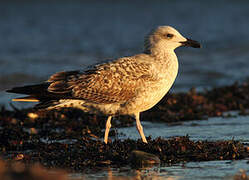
x: 215, y: 170
x: 39, y: 38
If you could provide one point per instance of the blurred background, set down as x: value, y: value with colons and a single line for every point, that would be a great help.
x: 39, y: 38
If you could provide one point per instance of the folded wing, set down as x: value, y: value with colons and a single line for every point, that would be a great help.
x: 113, y: 82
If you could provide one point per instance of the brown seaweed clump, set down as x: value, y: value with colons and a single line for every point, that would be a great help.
x: 58, y: 150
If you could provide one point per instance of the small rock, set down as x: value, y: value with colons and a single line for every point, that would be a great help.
x: 143, y: 158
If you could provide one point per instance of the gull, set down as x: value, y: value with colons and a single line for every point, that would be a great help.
x: 124, y: 86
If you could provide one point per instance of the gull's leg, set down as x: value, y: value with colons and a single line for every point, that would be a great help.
x: 107, y: 128
x: 140, y: 128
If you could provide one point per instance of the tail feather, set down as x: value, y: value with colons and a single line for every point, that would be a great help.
x: 29, y: 90
x: 37, y: 93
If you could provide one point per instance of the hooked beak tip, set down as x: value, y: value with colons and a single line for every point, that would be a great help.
x: 191, y: 43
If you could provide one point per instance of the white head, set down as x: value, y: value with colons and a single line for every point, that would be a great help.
x: 166, y: 37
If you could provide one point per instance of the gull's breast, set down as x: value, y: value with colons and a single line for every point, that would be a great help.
x: 152, y: 92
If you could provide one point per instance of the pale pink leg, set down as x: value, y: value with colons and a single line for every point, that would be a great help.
x: 107, y: 128
x: 140, y: 128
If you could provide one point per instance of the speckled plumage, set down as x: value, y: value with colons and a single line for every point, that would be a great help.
x: 122, y: 84
x: 128, y: 85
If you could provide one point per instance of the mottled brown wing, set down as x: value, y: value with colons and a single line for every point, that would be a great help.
x: 113, y: 82
x: 62, y: 82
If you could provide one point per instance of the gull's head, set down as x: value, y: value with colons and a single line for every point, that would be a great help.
x: 166, y: 37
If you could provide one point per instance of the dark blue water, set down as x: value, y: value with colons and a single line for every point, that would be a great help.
x: 39, y: 38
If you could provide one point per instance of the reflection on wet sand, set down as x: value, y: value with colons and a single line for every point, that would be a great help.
x: 19, y: 171
x: 147, y: 172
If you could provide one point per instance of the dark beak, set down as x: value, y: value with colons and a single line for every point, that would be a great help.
x: 191, y: 43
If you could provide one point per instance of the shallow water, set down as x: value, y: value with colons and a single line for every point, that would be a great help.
x: 216, y: 128
x: 39, y: 38
x: 188, y: 171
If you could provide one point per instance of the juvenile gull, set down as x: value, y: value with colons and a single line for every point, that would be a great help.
x: 125, y: 86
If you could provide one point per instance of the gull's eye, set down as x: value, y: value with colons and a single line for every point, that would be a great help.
x: 169, y: 35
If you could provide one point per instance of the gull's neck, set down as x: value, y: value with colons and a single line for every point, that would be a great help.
x: 159, y: 50
x: 166, y: 63
x: 164, y: 54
